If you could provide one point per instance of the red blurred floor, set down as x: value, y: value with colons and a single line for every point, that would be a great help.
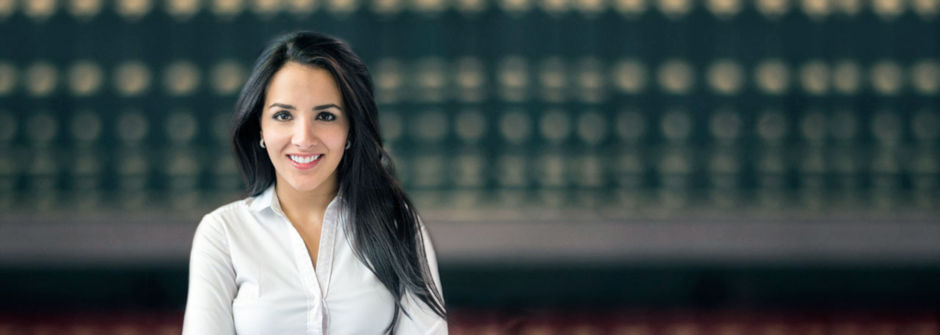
x: 464, y: 322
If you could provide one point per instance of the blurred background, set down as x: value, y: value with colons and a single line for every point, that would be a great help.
x: 585, y: 166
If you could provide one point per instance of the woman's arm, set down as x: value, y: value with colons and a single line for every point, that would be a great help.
x: 211, y: 282
x: 423, y: 320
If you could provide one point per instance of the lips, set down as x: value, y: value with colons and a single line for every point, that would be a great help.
x: 304, y: 161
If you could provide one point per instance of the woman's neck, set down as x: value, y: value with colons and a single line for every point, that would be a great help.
x: 305, y: 207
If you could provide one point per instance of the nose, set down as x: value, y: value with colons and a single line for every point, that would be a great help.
x: 304, y: 136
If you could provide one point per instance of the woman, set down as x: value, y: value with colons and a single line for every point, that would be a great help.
x: 327, y: 242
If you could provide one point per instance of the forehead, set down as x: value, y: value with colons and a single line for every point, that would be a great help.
x: 299, y: 84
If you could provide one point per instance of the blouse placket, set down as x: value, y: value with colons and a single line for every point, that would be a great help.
x: 315, y: 280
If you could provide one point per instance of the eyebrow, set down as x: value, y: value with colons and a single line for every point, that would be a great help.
x: 317, y: 108
x: 327, y: 106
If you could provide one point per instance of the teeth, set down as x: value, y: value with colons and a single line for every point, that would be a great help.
x: 304, y: 160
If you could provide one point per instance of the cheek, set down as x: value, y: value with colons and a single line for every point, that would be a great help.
x: 341, y: 134
x: 339, y: 139
x: 274, y: 138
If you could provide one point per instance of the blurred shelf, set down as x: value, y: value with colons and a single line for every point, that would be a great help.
x: 528, y: 236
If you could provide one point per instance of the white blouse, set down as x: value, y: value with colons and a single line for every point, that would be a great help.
x: 250, y: 273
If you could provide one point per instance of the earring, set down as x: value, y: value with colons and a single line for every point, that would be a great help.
x: 348, y: 144
x: 262, y: 144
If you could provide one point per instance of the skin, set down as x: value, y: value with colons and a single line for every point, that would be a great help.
x: 304, y: 115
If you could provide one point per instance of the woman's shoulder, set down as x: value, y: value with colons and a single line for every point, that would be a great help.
x: 228, y: 214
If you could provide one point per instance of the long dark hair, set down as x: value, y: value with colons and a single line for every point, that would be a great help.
x: 384, y: 228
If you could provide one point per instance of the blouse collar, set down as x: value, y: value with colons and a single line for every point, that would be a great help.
x: 265, y: 200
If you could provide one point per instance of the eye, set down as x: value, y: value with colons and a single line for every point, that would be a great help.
x: 326, y: 116
x: 281, y: 116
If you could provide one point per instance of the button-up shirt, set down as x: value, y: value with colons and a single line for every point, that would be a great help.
x: 250, y: 273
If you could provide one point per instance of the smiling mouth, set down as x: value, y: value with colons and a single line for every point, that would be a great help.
x: 305, y: 159
x: 304, y: 162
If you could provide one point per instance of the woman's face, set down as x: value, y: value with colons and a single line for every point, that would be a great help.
x: 304, y: 127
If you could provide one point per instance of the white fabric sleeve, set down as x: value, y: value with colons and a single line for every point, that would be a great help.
x: 423, y: 320
x: 211, y: 282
